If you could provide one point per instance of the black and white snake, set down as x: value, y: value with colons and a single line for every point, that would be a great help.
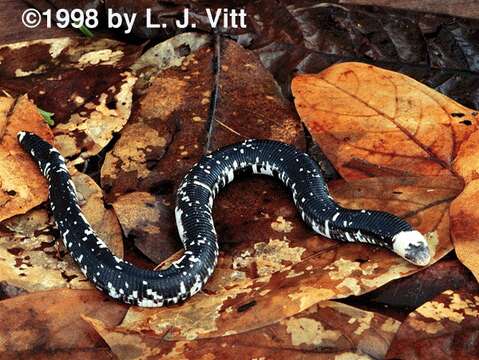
x: 186, y: 276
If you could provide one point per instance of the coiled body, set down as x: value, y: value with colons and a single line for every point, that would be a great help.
x: 186, y: 276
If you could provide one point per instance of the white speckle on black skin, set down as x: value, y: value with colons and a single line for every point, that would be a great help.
x: 121, y: 280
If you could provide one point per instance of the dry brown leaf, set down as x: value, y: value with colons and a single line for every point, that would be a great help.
x: 372, y: 121
x: 143, y: 217
x: 91, y: 78
x: 442, y: 329
x: 91, y: 128
x: 166, y: 54
x: 17, y: 196
x: 32, y: 259
x: 49, y: 325
x: 358, y: 112
x: 465, y: 226
x: 328, y: 330
x: 146, y: 157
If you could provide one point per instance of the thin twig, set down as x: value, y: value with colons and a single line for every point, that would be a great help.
x: 230, y: 129
x: 215, y: 94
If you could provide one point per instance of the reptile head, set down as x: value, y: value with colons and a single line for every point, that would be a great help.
x: 412, y: 246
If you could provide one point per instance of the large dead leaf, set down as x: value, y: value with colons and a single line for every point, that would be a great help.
x: 17, y: 196
x: 329, y: 330
x: 465, y: 226
x: 147, y: 157
x: 363, y: 116
x: 372, y: 121
x: 49, y: 325
x: 32, y: 258
x: 444, y: 328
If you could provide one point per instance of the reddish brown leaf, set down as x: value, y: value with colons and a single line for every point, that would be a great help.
x: 445, y: 328
x: 328, y: 330
x: 49, y: 325
x: 17, y: 196
x: 171, y: 109
x: 384, y: 118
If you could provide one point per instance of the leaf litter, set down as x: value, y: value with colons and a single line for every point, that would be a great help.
x: 443, y: 328
x: 92, y: 78
x: 32, y: 256
x: 346, y: 333
x: 264, y: 243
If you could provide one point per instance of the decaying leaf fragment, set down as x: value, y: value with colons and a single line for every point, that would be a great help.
x: 17, y: 196
x: 31, y: 258
x: 145, y: 217
x: 328, y: 330
x: 444, y: 328
x: 49, y: 325
x: 86, y: 83
x: 91, y: 128
x: 166, y: 54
